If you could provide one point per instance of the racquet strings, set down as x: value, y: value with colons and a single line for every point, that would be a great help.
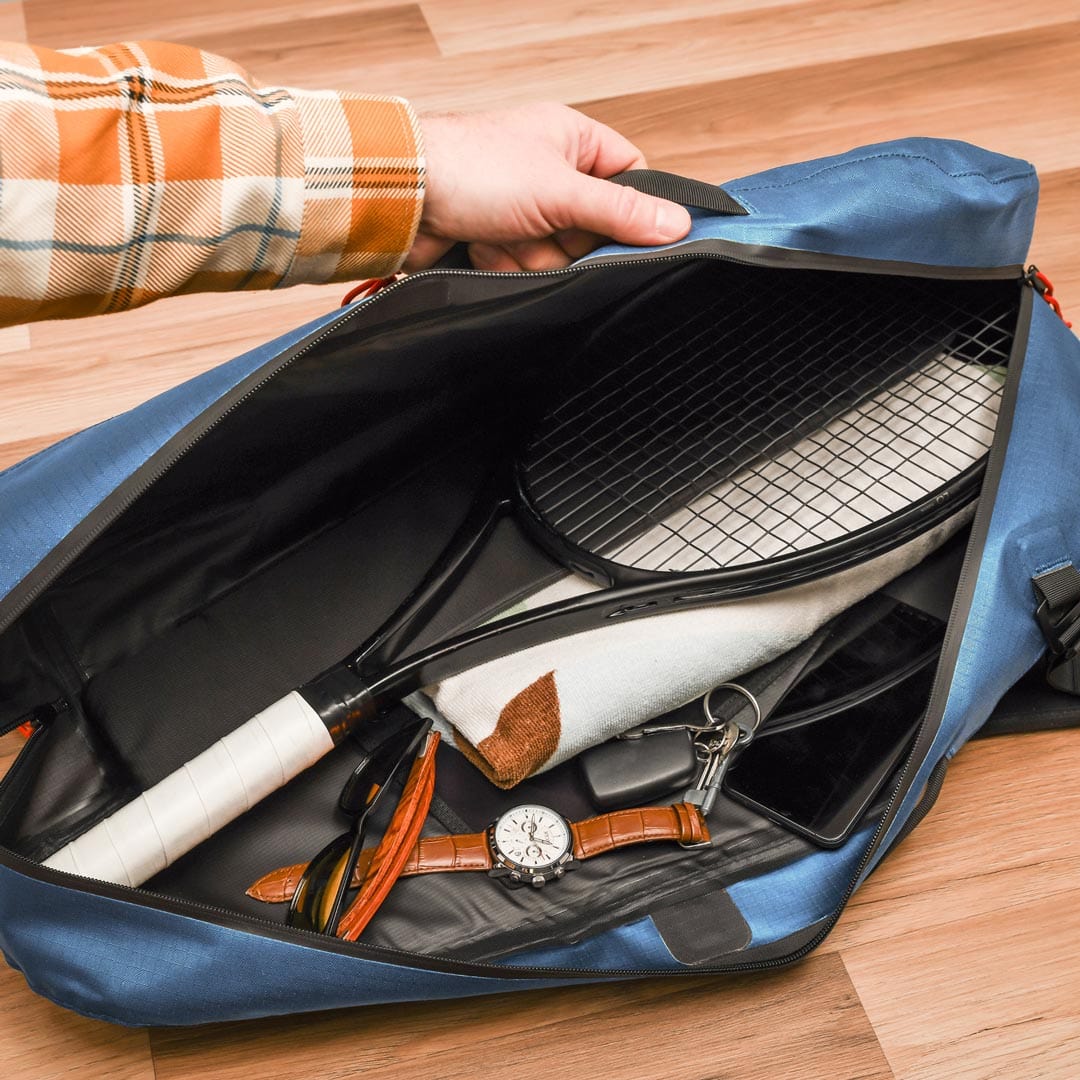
x: 747, y: 432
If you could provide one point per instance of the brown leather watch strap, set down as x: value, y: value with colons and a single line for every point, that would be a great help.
x: 397, y: 843
x: 431, y: 854
x: 681, y: 823
x: 438, y: 854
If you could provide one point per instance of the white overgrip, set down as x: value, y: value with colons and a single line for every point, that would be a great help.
x: 169, y: 819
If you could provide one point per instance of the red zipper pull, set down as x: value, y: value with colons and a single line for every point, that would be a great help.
x: 1043, y: 286
x: 369, y: 288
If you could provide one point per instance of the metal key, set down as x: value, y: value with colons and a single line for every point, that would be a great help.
x: 713, y: 723
x: 642, y: 730
x: 717, y: 750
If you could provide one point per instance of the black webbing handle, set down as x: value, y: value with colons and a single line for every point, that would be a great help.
x: 681, y: 189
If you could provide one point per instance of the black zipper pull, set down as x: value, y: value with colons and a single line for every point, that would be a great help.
x: 1034, y: 277
x: 41, y: 716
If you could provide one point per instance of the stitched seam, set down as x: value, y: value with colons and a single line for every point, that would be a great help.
x: 1046, y: 568
x: 881, y: 157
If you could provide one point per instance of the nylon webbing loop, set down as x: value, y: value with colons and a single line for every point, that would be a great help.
x: 680, y: 189
x: 1059, y: 608
x: 1058, y: 614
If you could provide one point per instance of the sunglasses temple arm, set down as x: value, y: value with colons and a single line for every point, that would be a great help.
x: 338, y: 906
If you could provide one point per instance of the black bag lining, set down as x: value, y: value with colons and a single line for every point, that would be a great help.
x: 288, y: 533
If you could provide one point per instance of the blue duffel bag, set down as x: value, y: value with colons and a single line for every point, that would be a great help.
x: 170, y: 573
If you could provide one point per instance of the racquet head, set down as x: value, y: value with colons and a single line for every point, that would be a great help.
x: 768, y: 450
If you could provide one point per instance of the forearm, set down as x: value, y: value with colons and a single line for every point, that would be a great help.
x: 143, y: 169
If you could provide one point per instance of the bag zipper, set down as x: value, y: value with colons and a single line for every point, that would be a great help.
x: 961, y: 609
x: 950, y: 647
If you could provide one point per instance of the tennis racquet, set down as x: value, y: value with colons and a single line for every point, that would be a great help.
x: 723, y: 456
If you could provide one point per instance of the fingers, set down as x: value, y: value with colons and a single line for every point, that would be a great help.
x: 597, y: 206
x: 605, y: 209
x: 545, y: 254
x: 578, y: 242
x: 524, y: 187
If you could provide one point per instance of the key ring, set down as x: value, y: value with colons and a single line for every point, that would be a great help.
x: 716, y: 751
x: 745, y: 733
x: 712, y: 723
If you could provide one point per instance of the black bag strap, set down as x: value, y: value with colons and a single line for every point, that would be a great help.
x: 1032, y: 705
x: 1047, y: 698
x: 681, y: 189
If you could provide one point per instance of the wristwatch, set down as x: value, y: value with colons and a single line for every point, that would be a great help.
x: 528, y: 844
x: 533, y: 844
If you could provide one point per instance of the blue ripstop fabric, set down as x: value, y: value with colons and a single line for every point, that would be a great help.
x: 46, y: 496
x: 937, y: 202
x: 775, y: 906
x: 637, y: 946
x: 786, y: 900
x: 1032, y: 529
x: 131, y: 964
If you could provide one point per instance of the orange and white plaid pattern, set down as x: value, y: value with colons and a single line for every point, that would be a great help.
x: 138, y: 170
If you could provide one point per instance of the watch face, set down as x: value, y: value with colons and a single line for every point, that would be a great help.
x: 531, y: 838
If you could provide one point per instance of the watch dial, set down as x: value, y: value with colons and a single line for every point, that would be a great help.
x: 532, y: 836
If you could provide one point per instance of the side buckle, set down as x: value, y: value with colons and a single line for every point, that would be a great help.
x: 1062, y: 632
x: 1058, y: 615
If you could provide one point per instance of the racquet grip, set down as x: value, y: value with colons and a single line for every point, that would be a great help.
x: 169, y: 819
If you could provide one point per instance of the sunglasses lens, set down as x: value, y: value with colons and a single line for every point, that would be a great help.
x: 319, y: 899
x: 314, y: 898
x: 371, y: 777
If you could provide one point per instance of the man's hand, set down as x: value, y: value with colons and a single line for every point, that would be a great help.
x: 523, y: 188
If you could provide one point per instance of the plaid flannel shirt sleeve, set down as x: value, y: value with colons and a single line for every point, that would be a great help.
x: 138, y: 170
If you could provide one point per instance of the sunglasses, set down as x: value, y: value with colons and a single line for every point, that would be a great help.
x: 319, y: 901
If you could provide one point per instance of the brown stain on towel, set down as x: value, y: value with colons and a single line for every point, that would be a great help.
x: 525, y: 736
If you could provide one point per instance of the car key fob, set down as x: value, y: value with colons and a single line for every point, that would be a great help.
x: 636, y: 771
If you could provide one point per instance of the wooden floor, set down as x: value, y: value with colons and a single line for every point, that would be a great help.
x: 961, y: 956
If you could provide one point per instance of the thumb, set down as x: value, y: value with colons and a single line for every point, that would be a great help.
x: 622, y: 213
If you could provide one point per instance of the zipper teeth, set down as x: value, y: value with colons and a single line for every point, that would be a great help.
x: 941, y: 685
x: 378, y: 952
x: 282, y: 930
x: 321, y: 941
